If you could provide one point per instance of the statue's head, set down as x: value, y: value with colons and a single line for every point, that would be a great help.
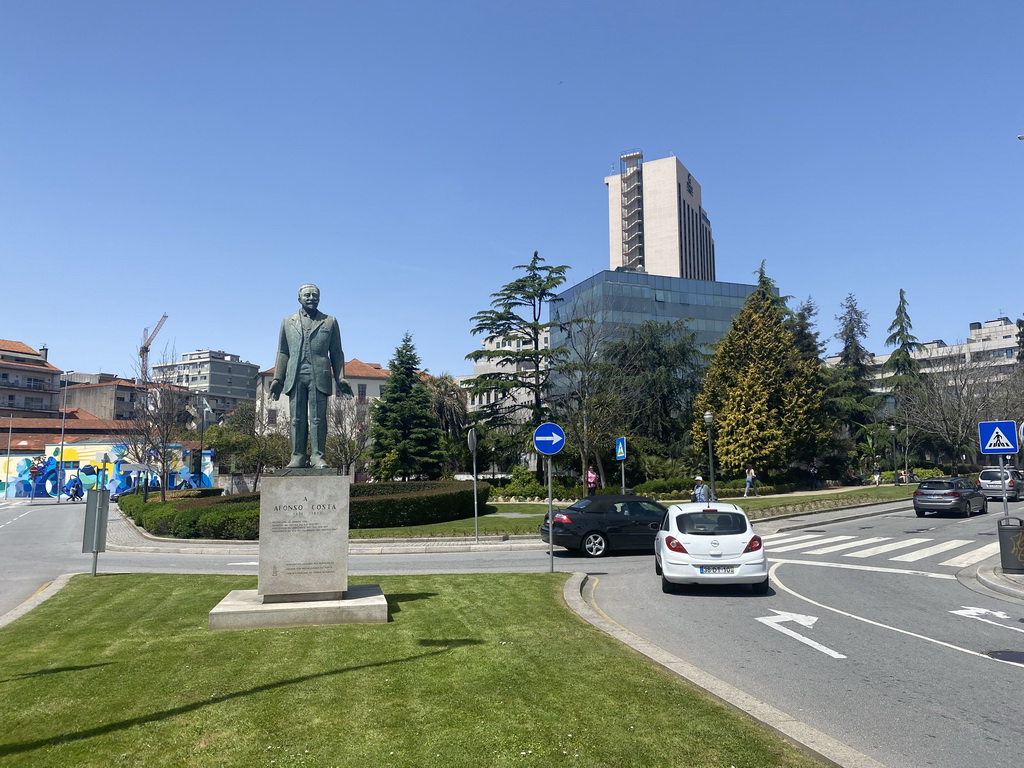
x: 309, y: 297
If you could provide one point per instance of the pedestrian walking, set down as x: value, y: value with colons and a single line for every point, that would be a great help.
x: 877, y: 471
x: 591, y: 481
x: 701, y: 493
x: 751, y: 483
x: 813, y: 472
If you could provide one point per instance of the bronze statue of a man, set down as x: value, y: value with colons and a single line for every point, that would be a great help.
x: 310, y: 362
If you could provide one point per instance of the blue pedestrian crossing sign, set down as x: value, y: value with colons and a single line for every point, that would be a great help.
x: 620, y: 448
x: 548, y: 439
x: 998, y: 437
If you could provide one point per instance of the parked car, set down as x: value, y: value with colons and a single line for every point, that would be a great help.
x: 991, y: 482
x: 945, y: 494
x: 701, y: 544
x: 597, y: 524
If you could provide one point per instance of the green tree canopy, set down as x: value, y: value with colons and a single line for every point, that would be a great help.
x: 767, y: 397
x: 406, y: 436
x: 522, y: 362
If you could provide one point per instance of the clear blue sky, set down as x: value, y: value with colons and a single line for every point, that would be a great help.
x: 206, y: 158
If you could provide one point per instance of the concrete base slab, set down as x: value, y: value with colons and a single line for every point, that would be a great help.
x: 245, y: 609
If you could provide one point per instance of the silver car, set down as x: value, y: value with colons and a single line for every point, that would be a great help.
x: 949, y: 494
x: 991, y: 481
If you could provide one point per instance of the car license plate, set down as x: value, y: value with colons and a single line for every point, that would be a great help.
x: 717, y: 568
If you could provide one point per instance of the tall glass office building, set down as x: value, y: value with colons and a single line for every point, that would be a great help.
x: 618, y: 301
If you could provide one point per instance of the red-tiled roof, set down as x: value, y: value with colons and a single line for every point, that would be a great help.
x: 16, y: 346
x: 355, y: 369
x: 42, y: 365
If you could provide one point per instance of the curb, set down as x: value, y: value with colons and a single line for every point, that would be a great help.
x: 802, y: 735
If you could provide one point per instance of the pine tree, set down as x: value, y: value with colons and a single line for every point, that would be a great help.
x: 514, y: 321
x: 767, y: 397
x: 406, y: 436
x: 902, y: 364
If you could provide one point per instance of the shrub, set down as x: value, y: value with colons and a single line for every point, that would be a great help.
x: 523, y: 483
x: 438, y: 504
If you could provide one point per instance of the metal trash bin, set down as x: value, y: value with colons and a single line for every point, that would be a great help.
x: 1011, y: 544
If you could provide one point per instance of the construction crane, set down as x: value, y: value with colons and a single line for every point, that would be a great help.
x: 147, y: 339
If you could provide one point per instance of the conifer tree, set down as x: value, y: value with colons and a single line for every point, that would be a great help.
x: 901, y: 363
x: 406, y: 436
x: 767, y: 397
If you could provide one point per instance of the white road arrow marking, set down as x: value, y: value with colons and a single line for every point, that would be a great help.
x: 980, y: 613
x: 554, y: 439
x: 775, y: 622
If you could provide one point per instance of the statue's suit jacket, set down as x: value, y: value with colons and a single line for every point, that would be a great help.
x: 324, y: 353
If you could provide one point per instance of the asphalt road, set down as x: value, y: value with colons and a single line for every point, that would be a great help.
x: 867, y: 633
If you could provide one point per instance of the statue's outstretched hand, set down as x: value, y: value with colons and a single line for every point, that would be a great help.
x: 344, y: 388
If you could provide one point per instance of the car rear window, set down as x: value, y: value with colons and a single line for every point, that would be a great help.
x: 711, y: 522
x: 993, y: 474
x: 935, y: 485
x: 581, y: 505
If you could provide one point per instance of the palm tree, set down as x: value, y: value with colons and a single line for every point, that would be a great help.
x: 448, y: 404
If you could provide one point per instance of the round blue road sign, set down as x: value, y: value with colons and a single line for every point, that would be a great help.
x: 548, y: 439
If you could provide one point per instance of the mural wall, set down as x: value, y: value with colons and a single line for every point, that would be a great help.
x: 19, y: 481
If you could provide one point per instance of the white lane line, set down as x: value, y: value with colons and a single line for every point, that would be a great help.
x: 847, y: 545
x: 872, y: 568
x: 882, y: 548
x: 777, y: 583
x: 913, y: 557
x: 974, y: 556
x: 787, y: 546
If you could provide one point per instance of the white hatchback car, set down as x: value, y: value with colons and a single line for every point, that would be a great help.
x: 709, y: 544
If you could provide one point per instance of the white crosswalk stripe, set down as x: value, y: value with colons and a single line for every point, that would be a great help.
x: 874, y: 546
x: 883, y: 548
x: 812, y: 543
x: 921, y: 554
x: 974, y: 556
x: 846, y: 545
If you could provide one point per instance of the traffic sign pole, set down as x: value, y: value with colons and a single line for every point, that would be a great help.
x: 549, y: 439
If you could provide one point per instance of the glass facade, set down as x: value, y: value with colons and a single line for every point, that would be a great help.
x: 623, y: 300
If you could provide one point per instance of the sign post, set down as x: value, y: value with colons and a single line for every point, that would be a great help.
x: 549, y: 439
x: 471, y: 439
x: 94, y: 538
x: 999, y: 437
x: 620, y: 455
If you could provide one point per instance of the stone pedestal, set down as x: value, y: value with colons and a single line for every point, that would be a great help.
x: 303, y: 571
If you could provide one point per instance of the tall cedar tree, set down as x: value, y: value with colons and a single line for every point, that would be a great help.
x: 515, y: 318
x: 406, y: 436
x: 902, y: 364
x: 767, y: 397
x: 850, y: 398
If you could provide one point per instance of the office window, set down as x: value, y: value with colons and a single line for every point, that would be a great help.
x: 361, y: 389
x: 272, y: 417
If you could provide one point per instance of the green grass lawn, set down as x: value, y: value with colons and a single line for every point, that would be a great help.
x: 473, y: 670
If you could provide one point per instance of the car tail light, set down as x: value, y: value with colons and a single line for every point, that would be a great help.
x: 754, y: 544
x: 562, y: 518
x: 1010, y: 483
x: 919, y: 493
x: 951, y: 493
x: 675, y: 545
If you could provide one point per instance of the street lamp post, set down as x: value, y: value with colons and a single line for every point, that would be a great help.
x: 895, y: 472
x: 708, y: 419
x: 63, y: 418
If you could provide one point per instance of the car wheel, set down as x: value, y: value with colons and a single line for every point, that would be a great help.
x: 761, y: 588
x: 595, y: 544
x: 667, y: 586
x: 657, y: 567
x: 920, y: 512
x: 984, y: 506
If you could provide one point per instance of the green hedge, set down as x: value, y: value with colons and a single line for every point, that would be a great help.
x: 371, y: 505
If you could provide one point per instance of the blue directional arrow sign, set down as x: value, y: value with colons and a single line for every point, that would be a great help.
x: 548, y: 439
x: 620, y: 448
x: 998, y: 437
